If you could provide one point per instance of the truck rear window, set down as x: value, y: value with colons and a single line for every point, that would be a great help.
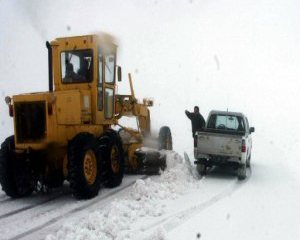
x: 226, y: 122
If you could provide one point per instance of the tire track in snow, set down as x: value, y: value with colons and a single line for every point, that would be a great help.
x: 30, y: 206
x: 4, y: 197
x: 72, y: 211
x: 33, y: 201
x: 5, y: 200
x: 174, y: 220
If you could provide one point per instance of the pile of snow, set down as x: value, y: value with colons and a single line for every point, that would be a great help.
x: 123, y: 218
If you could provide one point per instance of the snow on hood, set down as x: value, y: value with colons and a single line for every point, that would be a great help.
x: 122, y: 218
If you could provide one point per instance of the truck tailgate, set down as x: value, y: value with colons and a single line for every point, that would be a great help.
x: 219, y: 144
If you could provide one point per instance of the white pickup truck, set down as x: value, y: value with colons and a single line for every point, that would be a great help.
x: 225, y: 140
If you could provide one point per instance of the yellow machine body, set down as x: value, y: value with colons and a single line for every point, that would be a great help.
x: 73, y: 107
x: 70, y: 132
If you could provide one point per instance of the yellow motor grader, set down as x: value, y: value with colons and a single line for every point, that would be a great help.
x: 68, y: 133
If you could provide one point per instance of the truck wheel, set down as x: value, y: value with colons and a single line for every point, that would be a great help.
x: 248, y: 161
x: 113, y: 156
x: 242, y: 172
x: 201, y: 168
x: 84, y: 169
x: 16, y: 175
x: 165, y: 138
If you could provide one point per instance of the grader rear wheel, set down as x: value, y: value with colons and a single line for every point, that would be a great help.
x: 84, y: 166
x: 54, y: 180
x: 113, y: 155
x: 90, y: 167
x: 16, y: 176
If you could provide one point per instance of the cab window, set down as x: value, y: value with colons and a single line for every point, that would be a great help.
x: 77, y: 66
x: 100, y: 83
x: 109, y: 103
x: 226, y: 122
x: 110, y: 60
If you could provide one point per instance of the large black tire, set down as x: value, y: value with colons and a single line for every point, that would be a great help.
x: 55, y: 179
x: 248, y: 162
x: 113, y: 156
x: 16, y: 176
x: 201, y: 169
x: 242, y: 172
x: 165, y: 138
x: 84, y: 166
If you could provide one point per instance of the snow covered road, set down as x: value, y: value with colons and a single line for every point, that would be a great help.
x: 265, y: 207
x: 219, y: 206
x: 172, y: 206
x: 35, y: 216
x: 159, y: 202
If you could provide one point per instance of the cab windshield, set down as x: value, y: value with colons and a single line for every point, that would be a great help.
x: 77, y: 66
x: 110, y: 62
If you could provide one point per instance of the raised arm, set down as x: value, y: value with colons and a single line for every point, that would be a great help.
x: 188, y: 114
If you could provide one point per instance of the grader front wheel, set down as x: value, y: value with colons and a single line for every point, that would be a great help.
x: 165, y: 138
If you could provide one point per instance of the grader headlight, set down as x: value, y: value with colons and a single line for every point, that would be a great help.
x: 10, y: 106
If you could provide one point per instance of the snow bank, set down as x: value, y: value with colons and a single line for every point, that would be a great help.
x: 123, y: 218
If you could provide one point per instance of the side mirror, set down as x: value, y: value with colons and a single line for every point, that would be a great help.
x: 252, y: 129
x: 119, y: 73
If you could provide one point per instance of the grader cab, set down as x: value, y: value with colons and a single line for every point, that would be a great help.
x: 66, y: 133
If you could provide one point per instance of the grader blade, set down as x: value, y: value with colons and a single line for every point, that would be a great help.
x: 151, y: 161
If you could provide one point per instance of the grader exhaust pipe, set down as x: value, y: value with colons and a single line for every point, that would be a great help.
x: 48, y: 45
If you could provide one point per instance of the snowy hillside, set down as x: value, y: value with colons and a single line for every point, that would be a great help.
x: 236, y: 55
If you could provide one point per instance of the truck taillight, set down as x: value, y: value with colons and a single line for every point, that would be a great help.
x: 11, y: 110
x: 244, y: 146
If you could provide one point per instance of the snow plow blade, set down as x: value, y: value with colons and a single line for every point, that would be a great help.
x: 150, y: 162
x: 191, y: 169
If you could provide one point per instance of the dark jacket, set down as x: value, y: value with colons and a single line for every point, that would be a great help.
x: 197, y: 120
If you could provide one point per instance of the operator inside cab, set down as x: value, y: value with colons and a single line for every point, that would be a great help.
x: 76, y: 66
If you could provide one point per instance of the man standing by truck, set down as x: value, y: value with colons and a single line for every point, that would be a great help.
x: 197, y: 120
